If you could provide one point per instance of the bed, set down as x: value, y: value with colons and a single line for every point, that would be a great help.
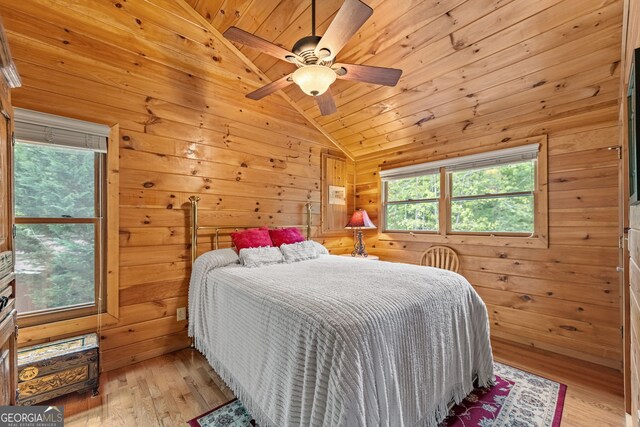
x: 335, y: 341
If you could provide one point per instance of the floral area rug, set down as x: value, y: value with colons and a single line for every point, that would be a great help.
x: 230, y: 414
x: 518, y: 399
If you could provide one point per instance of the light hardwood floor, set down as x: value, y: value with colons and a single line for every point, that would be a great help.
x: 171, y: 389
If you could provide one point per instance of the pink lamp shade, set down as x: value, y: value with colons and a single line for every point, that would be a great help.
x: 360, y: 219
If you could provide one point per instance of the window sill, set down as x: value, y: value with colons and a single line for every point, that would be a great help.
x: 540, y: 242
x: 43, y: 332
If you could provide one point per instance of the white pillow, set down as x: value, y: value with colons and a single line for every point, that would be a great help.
x: 320, y: 248
x: 299, y: 251
x: 255, y: 257
x: 217, y: 258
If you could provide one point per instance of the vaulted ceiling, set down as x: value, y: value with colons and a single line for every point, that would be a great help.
x: 468, y: 64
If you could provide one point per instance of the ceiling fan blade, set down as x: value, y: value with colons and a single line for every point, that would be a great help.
x: 270, y: 88
x: 326, y: 103
x: 368, y: 74
x: 351, y: 16
x: 243, y: 37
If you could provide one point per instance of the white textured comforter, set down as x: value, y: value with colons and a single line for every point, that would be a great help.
x: 340, y: 342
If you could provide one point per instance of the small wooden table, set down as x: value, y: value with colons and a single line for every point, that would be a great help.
x: 369, y: 257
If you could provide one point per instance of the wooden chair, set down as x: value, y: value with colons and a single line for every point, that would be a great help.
x: 441, y: 257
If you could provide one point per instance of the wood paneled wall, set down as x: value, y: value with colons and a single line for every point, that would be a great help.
x: 477, y: 75
x: 565, y: 298
x: 632, y: 293
x: 177, y: 92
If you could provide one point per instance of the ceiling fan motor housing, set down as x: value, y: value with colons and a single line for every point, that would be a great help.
x: 305, y: 48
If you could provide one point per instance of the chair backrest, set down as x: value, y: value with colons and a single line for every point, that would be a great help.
x: 441, y: 257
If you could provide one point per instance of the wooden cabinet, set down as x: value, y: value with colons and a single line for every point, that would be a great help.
x: 8, y: 315
x: 634, y: 329
x: 5, y: 370
x: 8, y: 344
x: 635, y: 382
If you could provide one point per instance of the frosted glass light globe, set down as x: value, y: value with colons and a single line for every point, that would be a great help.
x: 314, y: 80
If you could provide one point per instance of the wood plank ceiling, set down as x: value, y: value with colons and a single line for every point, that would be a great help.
x: 467, y: 63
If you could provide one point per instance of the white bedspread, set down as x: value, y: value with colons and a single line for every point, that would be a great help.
x: 340, y: 342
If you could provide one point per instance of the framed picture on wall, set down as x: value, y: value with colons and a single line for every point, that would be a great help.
x: 633, y: 127
x: 337, y: 195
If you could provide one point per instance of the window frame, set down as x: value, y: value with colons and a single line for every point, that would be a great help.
x: 385, y: 189
x: 110, y: 315
x: 40, y: 317
x: 537, y: 239
x: 450, y: 199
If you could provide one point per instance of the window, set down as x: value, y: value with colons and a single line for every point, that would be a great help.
x: 412, y: 203
x: 59, y: 179
x: 493, y: 199
x: 496, y: 193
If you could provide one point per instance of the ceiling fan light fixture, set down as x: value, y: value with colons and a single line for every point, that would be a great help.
x: 314, y: 80
x: 315, y: 57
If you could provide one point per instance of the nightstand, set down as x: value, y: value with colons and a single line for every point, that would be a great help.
x: 369, y: 258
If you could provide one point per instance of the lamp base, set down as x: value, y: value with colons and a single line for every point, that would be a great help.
x: 359, y: 247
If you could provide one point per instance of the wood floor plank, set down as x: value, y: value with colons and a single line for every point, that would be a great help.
x: 171, y: 389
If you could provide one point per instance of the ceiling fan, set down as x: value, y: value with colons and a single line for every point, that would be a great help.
x: 315, y: 55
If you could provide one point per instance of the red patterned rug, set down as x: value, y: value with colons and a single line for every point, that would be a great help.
x: 518, y: 399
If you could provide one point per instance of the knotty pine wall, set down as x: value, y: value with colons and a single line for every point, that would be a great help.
x: 632, y: 41
x: 177, y: 92
x: 566, y: 298
x: 481, y: 73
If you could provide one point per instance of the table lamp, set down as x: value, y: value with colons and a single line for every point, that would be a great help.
x: 359, y: 220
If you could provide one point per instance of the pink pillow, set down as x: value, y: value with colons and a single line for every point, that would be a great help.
x: 285, y: 236
x: 251, y: 238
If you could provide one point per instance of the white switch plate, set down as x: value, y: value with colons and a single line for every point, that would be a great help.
x: 181, y: 313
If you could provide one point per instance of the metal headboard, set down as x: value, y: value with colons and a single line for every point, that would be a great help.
x: 196, y: 227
